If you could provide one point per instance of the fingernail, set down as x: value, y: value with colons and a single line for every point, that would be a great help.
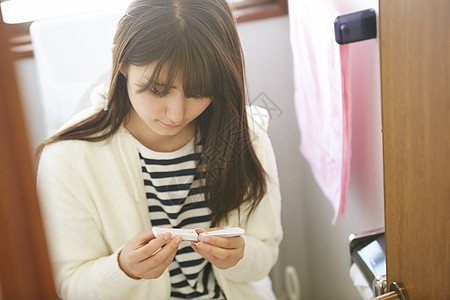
x: 201, y: 245
x: 178, y: 239
x: 167, y: 236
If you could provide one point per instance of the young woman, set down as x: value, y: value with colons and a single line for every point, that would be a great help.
x: 171, y: 144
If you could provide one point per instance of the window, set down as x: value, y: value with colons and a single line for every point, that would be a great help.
x: 248, y: 10
x: 18, y: 14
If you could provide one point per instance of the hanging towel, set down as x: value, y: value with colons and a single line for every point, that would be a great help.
x: 321, y: 97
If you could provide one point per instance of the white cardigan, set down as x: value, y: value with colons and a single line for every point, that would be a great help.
x: 93, y: 201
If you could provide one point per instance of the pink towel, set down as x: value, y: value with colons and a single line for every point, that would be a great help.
x: 322, y: 98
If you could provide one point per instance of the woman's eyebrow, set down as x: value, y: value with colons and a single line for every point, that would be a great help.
x: 159, y: 84
x: 163, y: 84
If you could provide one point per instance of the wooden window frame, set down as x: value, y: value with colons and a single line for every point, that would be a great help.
x: 247, y: 10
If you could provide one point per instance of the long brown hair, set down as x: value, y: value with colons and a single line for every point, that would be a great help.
x: 198, y: 40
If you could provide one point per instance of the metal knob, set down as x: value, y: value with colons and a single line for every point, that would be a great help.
x: 397, y: 292
x: 379, y: 285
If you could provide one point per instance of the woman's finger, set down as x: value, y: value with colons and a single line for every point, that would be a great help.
x: 226, y: 243
x: 153, y: 266
x: 204, y: 250
x: 202, y: 230
x: 170, y: 248
x: 219, y: 257
x: 151, y: 247
x: 141, y: 238
x: 215, y: 252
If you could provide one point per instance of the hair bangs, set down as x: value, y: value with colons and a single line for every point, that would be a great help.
x: 164, y: 75
x: 198, y: 78
x: 184, y: 63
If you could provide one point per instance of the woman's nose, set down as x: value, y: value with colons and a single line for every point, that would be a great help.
x: 175, y: 108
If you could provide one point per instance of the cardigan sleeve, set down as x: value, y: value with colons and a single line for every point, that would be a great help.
x: 263, y: 229
x: 84, y: 266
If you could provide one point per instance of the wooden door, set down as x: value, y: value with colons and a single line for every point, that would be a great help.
x: 24, y: 265
x: 415, y: 84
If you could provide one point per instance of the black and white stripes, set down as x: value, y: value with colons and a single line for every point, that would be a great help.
x: 175, y: 197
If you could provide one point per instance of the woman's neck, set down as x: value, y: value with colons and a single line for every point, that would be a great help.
x: 160, y: 143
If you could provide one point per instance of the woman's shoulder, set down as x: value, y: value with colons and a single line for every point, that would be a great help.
x: 258, y: 121
x: 77, y: 151
x: 68, y: 152
x: 70, y: 146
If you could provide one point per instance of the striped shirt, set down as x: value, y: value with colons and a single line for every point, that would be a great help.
x: 175, y: 197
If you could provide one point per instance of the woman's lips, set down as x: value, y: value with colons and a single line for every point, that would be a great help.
x: 170, y: 125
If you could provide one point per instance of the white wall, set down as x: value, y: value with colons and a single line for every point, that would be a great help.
x: 318, y: 250
x: 268, y: 58
x: 32, y: 106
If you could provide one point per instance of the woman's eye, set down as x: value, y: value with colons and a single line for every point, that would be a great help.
x: 158, y: 93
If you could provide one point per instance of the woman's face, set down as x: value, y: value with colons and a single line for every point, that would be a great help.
x: 155, y: 117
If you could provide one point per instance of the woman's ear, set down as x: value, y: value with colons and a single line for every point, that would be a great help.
x: 124, y: 70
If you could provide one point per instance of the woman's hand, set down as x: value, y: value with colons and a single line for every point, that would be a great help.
x: 139, y: 260
x: 222, y: 252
